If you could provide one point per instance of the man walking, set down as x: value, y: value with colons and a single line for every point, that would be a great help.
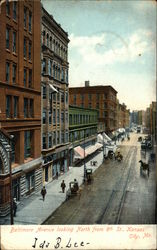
x: 43, y: 192
x: 63, y: 186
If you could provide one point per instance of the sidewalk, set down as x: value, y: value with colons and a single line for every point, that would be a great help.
x: 32, y: 210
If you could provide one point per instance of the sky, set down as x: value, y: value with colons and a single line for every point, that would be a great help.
x: 112, y: 42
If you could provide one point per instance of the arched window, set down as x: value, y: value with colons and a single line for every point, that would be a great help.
x: 44, y: 66
x: 66, y: 55
x: 47, y: 39
x: 54, y: 70
x: 59, y: 49
x: 62, y: 77
x: 63, y: 53
x: 50, y: 42
x: 59, y: 73
x: 54, y: 47
x: 44, y: 37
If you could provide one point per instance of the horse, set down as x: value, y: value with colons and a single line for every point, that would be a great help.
x: 144, y: 167
x: 118, y: 156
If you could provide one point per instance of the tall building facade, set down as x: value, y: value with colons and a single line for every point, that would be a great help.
x: 20, y: 96
x: 55, y: 95
x: 102, y: 98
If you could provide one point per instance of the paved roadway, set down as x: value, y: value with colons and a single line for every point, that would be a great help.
x: 118, y: 195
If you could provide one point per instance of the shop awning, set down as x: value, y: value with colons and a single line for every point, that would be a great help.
x: 103, y: 138
x: 91, y: 149
x: 52, y: 88
x: 79, y: 153
x: 98, y: 145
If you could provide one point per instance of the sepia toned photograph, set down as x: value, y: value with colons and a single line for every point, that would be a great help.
x: 78, y: 124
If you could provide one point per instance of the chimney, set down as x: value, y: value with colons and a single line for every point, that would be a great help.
x: 86, y: 83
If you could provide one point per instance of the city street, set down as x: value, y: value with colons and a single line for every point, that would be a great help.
x: 118, y: 195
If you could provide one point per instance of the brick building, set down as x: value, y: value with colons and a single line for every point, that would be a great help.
x: 102, y: 98
x: 55, y: 95
x: 20, y: 102
x: 123, y: 115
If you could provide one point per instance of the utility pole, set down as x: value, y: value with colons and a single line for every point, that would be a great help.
x: 84, y: 178
x: 104, y: 149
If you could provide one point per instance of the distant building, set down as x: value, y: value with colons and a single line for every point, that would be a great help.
x: 153, y: 121
x: 123, y: 115
x: 134, y: 117
x: 102, y: 98
x: 83, y: 125
x: 20, y: 98
x: 141, y: 118
x: 55, y: 97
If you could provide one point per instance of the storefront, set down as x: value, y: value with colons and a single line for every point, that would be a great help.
x: 55, y: 165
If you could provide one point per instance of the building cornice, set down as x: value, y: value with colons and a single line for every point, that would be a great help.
x: 20, y: 88
x: 49, y: 18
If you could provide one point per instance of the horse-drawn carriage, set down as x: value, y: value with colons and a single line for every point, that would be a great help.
x: 73, y: 188
x: 144, y: 167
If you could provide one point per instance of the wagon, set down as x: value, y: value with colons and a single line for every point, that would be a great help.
x: 73, y: 189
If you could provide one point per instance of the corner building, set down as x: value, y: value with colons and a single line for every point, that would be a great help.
x: 55, y: 93
x: 20, y: 97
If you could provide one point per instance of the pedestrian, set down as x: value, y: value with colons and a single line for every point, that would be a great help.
x: 63, y: 186
x: 43, y: 192
x: 57, y: 175
x: 14, y: 206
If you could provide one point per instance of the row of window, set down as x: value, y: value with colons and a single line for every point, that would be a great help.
x: 10, y: 33
x: 54, y: 138
x: 27, y: 49
x: 27, y: 44
x: 27, y: 14
x: 12, y: 103
x: 54, y: 70
x: 76, y: 119
x: 53, y: 97
x: 78, y: 135
x: 14, y: 9
x: 27, y: 19
x: 57, y: 116
x: 54, y: 45
x: 11, y: 74
x: 12, y: 107
x: 28, y: 108
x: 28, y: 145
x: 8, y: 72
x: 90, y: 97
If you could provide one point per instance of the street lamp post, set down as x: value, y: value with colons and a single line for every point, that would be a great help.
x: 84, y: 177
x: 104, y: 149
x: 11, y: 197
